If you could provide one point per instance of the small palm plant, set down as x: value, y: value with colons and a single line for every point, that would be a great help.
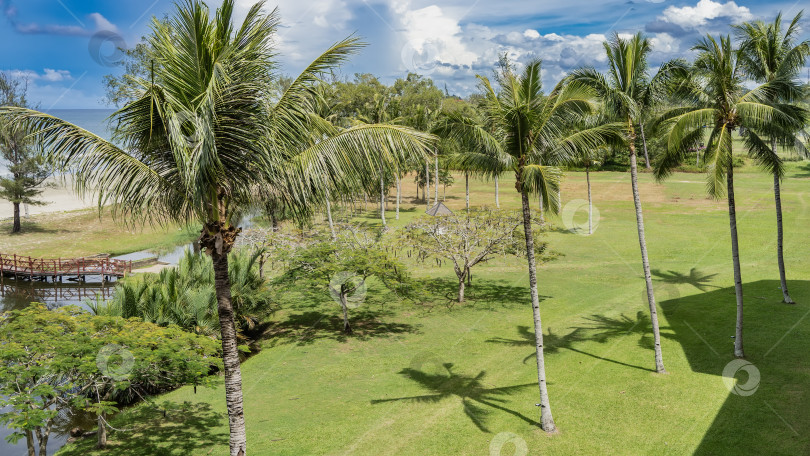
x: 719, y: 99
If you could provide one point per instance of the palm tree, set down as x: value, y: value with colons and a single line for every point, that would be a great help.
x: 202, y: 137
x: 624, y: 93
x: 527, y: 125
x: 720, y: 100
x: 768, y: 52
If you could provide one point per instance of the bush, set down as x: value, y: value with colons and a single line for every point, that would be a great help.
x: 185, y: 295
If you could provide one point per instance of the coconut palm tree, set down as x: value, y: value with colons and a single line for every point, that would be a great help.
x: 523, y: 125
x: 202, y: 137
x: 624, y: 92
x: 768, y: 52
x: 720, y: 99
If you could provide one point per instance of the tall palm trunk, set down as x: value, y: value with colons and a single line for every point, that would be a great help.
x: 541, y: 208
x: 546, y: 419
x: 467, y: 189
x: 427, y: 184
x: 16, y: 227
x: 230, y: 355
x: 436, y: 178
x: 382, y: 198
x: 590, y: 202
x: 497, y: 196
x: 735, y: 256
x: 329, y: 217
x: 399, y: 192
x: 644, y: 142
x: 659, y: 357
x: 777, y: 194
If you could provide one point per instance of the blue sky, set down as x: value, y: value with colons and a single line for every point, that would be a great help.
x: 64, y: 47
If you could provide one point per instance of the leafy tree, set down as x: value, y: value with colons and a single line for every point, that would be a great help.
x: 625, y: 92
x: 342, y: 267
x: 202, y: 138
x: 21, y: 154
x: 468, y: 240
x: 526, y: 125
x: 57, y: 360
x: 767, y: 53
x: 719, y: 98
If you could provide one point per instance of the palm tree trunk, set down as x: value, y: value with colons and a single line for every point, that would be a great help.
x: 230, y: 355
x: 427, y: 184
x: 329, y: 217
x: 777, y: 194
x: 590, y: 202
x: 642, y: 241
x: 644, y: 142
x: 546, y: 419
x: 467, y: 190
x: 16, y: 227
x: 399, y: 192
x: 540, y: 208
x: 497, y: 196
x: 436, y: 178
x: 735, y: 256
x: 382, y: 198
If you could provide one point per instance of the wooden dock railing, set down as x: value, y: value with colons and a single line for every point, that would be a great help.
x: 21, y: 266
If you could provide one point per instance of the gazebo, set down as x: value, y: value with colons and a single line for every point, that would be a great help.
x: 438, y: 210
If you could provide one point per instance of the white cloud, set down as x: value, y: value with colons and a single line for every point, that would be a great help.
x: 430, y: 30
x: 48, y: 74
x: 102, y: 23
x: 531, y: 34
x: 704, y: 11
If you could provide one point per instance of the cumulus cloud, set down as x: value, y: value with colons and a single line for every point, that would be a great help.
x: 48, y: 74
x: 99, y: 22
x: 705, y: 11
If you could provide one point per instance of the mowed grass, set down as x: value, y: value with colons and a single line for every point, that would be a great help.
x: 461, y: 380
x: 83, y: 233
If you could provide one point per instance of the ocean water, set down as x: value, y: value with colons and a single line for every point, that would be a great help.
x: 92, y: 120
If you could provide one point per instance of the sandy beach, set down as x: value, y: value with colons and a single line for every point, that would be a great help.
x: 59, y: 197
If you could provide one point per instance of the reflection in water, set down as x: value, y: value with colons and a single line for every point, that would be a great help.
x: 18, y: 294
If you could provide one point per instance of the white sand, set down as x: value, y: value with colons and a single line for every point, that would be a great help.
x: 59, y: 198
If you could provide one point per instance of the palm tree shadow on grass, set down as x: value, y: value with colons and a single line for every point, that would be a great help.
x: 307, y: 327
x: 168, y: 429
x: 601, y: 329
x: 471, y: 390
x: 695, y: 278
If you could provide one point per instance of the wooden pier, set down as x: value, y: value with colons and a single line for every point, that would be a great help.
x: 56, y: 269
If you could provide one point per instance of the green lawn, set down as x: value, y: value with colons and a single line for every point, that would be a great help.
x: 430, y: 379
